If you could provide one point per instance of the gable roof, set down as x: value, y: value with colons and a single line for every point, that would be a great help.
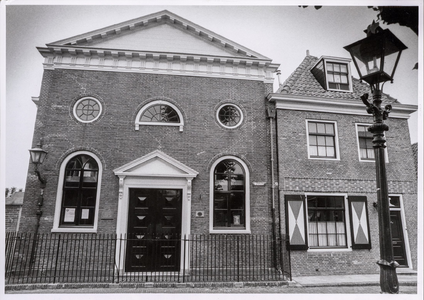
x: 160, y: 43
x: 301, y: 91
x: 303, y: 83
x: 143, y: 31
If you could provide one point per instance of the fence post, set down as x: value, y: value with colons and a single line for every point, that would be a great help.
x: 57, y: 257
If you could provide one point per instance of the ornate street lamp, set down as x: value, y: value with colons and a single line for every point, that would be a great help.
x: 38, y: 155
x: 376, y: 58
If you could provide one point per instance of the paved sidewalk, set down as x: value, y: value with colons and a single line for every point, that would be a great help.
x: 348, y: 280
x: 362, y: 283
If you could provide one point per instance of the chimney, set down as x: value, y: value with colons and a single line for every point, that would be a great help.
x: 307, y: 52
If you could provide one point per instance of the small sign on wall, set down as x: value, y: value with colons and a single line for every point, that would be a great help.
x: 69, y: 215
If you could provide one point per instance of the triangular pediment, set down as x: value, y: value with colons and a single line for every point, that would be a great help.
x: 156, y: 164
x: 162, y: 32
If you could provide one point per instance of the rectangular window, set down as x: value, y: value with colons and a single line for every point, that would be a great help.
x: 326, y: 222
x: 366, y: 150
x: 322, y: 140
x: 337, y: 76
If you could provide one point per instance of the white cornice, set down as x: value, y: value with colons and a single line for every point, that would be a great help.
x: 116, y: 60
x: 338, y: 106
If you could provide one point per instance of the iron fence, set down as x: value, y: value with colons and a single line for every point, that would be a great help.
x: 103, y: 258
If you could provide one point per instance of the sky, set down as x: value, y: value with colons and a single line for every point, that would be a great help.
x: 282, y: 33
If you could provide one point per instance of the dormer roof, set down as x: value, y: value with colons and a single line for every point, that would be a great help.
x: 161, y: 42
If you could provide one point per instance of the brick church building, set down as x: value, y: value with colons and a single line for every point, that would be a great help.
x: 157, y: 127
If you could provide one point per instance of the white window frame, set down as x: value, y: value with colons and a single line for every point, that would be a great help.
x: 236, y: 107
x: 245, y: 230
x: 349, y: 74
x: 59, y: 194
x: 348, y: 247
x: 386, y: 155
x: 336, y: 140
x: 159, y: 102
x: 74, y: 110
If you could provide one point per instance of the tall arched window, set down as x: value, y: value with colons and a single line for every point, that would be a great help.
x: 230, y: 201
x: 160, y: 113
x: 78, y: 193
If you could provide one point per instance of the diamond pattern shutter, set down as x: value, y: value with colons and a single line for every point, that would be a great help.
x: 359, y: 224
x: 296, y: 222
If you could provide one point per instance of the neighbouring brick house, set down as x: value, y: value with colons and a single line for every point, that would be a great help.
x: 327, y: 172
x: 157, y: 127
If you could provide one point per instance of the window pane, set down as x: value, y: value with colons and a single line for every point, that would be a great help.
x: 337, y: 78
x: 330, y: 152
x: 329, y: 141
x: 88, y: 197
x: 220, y: 218
x: 313, y: 140
x: 343, y: 68
x: 343, y: 78
x: 312, y: 127
x: 329, y: 66
x: 321, y: 151
x: 321, y: 128
x: 321, y: 140
x: 220, y: 202
x: 330, y: 77
x: 70, y: 197
x: 313, y: 151
x: 237, y: 182
x: 336, y: 67
x: 329, y: 128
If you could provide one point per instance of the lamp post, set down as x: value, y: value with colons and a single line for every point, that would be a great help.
x: 38, y: 156
x: 376, y: 58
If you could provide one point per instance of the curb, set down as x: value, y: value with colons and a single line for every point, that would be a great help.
x: 59, y: 286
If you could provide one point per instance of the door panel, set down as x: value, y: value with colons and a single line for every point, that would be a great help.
x: 398, y: 241
x: 154, y: 229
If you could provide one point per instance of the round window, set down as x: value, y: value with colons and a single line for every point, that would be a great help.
x: 87, y: 110
x: 229, y: 116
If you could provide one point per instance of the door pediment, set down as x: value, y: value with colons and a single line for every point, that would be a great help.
x: 155, y: 164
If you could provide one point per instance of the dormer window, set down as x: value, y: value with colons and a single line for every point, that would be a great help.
x: 333, y: 74
x: 337, y: 76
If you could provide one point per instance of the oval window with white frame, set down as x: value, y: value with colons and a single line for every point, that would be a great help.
x: 229, y: 115
x: 87, y: 109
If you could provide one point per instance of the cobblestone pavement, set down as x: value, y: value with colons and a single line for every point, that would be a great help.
x: 223, y: 290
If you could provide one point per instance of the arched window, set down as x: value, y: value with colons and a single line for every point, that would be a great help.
x: 160, y: 113
x: 230, y: 196
x: 78, y: 193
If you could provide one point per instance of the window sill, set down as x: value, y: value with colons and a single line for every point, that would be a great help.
x: 74, y: 230
x: 318, y: 250
x: 229, y: 231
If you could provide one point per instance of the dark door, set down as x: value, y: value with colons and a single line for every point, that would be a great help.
x: 154, y: 229
x: 398, y: 242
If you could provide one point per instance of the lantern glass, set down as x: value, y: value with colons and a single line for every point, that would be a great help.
x: 37, y: 155
x: 376, y: 56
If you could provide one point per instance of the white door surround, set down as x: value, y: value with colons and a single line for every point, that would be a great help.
x: 154, y: 170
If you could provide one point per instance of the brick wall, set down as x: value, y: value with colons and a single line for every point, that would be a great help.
x: 299, y: 175
x: 12, y: 215
x: 115, y: 141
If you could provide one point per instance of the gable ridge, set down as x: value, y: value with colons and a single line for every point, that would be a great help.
x: 155, y: 19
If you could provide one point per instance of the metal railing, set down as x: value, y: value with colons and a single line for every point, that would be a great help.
x: 106, y: 258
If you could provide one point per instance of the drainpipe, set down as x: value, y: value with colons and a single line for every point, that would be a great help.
x: 271, y: 117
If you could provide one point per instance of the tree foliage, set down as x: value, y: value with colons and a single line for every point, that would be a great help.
x: 402, y: 15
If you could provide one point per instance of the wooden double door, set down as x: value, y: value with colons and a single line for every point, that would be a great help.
x: 154, y: 230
